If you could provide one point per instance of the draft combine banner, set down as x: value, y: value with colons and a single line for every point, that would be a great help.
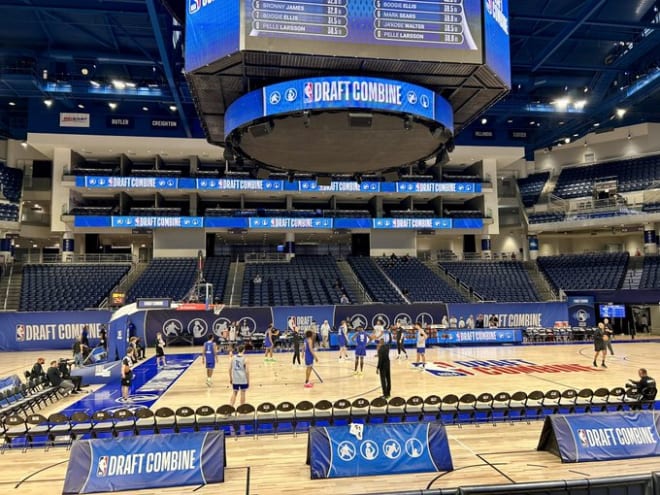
x: 150, y: 461
x: 518, y: 315
x: 383, y: 449
x: 601, y: 437
x: 48, y: 330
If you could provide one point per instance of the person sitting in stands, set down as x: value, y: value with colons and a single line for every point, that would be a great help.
x: 257, y: 279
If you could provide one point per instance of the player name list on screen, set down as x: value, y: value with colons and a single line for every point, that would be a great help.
x: 439, y: 22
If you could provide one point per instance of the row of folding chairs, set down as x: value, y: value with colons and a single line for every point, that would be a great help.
x: 287, y: 417
x: 27, y: 397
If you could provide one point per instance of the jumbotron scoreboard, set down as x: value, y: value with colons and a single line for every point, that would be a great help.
x: 458, y: 50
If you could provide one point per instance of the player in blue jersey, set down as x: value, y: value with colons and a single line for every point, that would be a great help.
x: 208, y: 357
x: 269, y: 343
x: 310, y: 357
x: 421, y: 347
x: 343, y: 340
x: 361, y: 339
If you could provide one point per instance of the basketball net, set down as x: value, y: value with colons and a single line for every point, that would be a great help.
x: 217, y: 308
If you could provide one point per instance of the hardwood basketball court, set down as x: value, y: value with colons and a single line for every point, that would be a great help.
x: 483, y: 454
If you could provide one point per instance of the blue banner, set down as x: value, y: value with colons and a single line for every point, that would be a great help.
x: 290, y: 223
x: 48, y: 330
x: 581, y: 311
x: 109, y: 182
x: 514, y: 315
x: 157, y: 222
x: 382, y: 449
x: 602, y: 436
x: 412, y: 223
x: 339, y: 92
x: 239, y: 185
x: 481, y: 336
x: 304, y: 315
x: 149, y: 461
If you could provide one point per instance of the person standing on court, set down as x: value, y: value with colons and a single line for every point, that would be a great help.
x: 599, y: 345
x: 208, y: 357
x: 609, y: 334
x: 325, y: 334
x: 343, y: 340
x: 295, y: 339
x: 269, y: 343
x: 310, y: 357
x: 421, y: 347
x: 400, y: 335
x: 239, y: 375
x: 160, y: 350
x: 383, y: 367
x: 126, y: 374
x: 360, y: 339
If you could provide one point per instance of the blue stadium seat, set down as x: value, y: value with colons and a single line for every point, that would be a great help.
x: 651, y: 273
x: 531, y: 187
x: 165, y: 277
x: 585, y: 271
x: 374, y: 280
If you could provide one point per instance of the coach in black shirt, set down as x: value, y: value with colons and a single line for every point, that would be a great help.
x: 55, y: 378
x: 383, y: 367
x: 38, y: 368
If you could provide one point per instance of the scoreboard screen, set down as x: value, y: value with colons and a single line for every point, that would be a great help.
x: 431, y: 30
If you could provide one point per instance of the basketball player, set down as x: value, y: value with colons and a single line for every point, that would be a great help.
x: 378, y: 332
x: 609, y: 334
x: 421, y: 347
x: 126, y: 374
x: 296, y: 338
x: 343, y: 340
x: 400, y: 334
x: 160, y: 350
x: 208, y: 357
x: 360, y: 339
x: 310, y: 357
x: 239, y: 375
x: 268, y: 343
x: 599, y: 344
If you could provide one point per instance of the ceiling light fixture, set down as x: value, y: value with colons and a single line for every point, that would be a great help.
x: 118, y: 84
x: 48, y: 102
x: 12, y: 103
x: 112, y: 105
x: 620, y: 112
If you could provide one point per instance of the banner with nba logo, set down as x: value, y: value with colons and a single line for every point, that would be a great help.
x: 149, y: 461
x: 602, y: 437
x: 382, y: 449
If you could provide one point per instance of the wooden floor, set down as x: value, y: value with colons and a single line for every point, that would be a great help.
x: 482, y: 454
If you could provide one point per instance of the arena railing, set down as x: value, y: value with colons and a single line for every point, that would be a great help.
x: 39, y: 258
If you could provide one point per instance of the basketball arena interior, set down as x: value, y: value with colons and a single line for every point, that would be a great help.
x: 329, y: 246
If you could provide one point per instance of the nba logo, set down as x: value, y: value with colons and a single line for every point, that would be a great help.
x: 308, y: 93
x: 195, y: 5
x: 582, y: 435
x: 20, y: 333
x: 102, y: 467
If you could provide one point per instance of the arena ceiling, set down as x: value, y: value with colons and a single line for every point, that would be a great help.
x: 578, y: 67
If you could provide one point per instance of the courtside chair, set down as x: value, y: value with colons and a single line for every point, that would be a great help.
x: 38, y: 430
x: 285, y: 418
x: 583, y: 400
x: 15, y: 432
x: 245, y: 421
x: 449, y: 409
x: 414, y: 409
x: 432, y: 408
x: 377, y: 410
x: 551, y: 402
x: 225, y: 416
x: 483, y: 408
x: 519, y: 406
x: 145, y: 422
x: 266, y: 418
x: 205, y: 418
x: 60, y: 430
x: 184, y: 417
x: 360, y: 410
x: 123, y: 423
x: 341, y: 412
x: 567, y: 401
x: 466, y: 409
x: 534, y: 405
x: 599, y: 400
x: 396, y: 410
x: 615, y: 401
x: 648, y: 398
x: 323, y: 413
x: 102, y: 425
x: 500, y: 406
x: 304, y: 415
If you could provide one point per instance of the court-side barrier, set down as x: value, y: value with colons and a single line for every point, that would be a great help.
x: 151, y: 461
x: 365, y: 450
x: 602, y: 437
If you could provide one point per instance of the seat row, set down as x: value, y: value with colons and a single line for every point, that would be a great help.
x: 287, y: 417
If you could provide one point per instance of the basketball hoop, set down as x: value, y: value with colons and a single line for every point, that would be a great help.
x: 217, y: 308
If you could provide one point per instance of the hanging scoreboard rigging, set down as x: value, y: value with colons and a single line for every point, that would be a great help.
x: 446, y: 30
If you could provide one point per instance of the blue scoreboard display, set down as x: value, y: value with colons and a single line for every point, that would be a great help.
x: 444, y: 30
